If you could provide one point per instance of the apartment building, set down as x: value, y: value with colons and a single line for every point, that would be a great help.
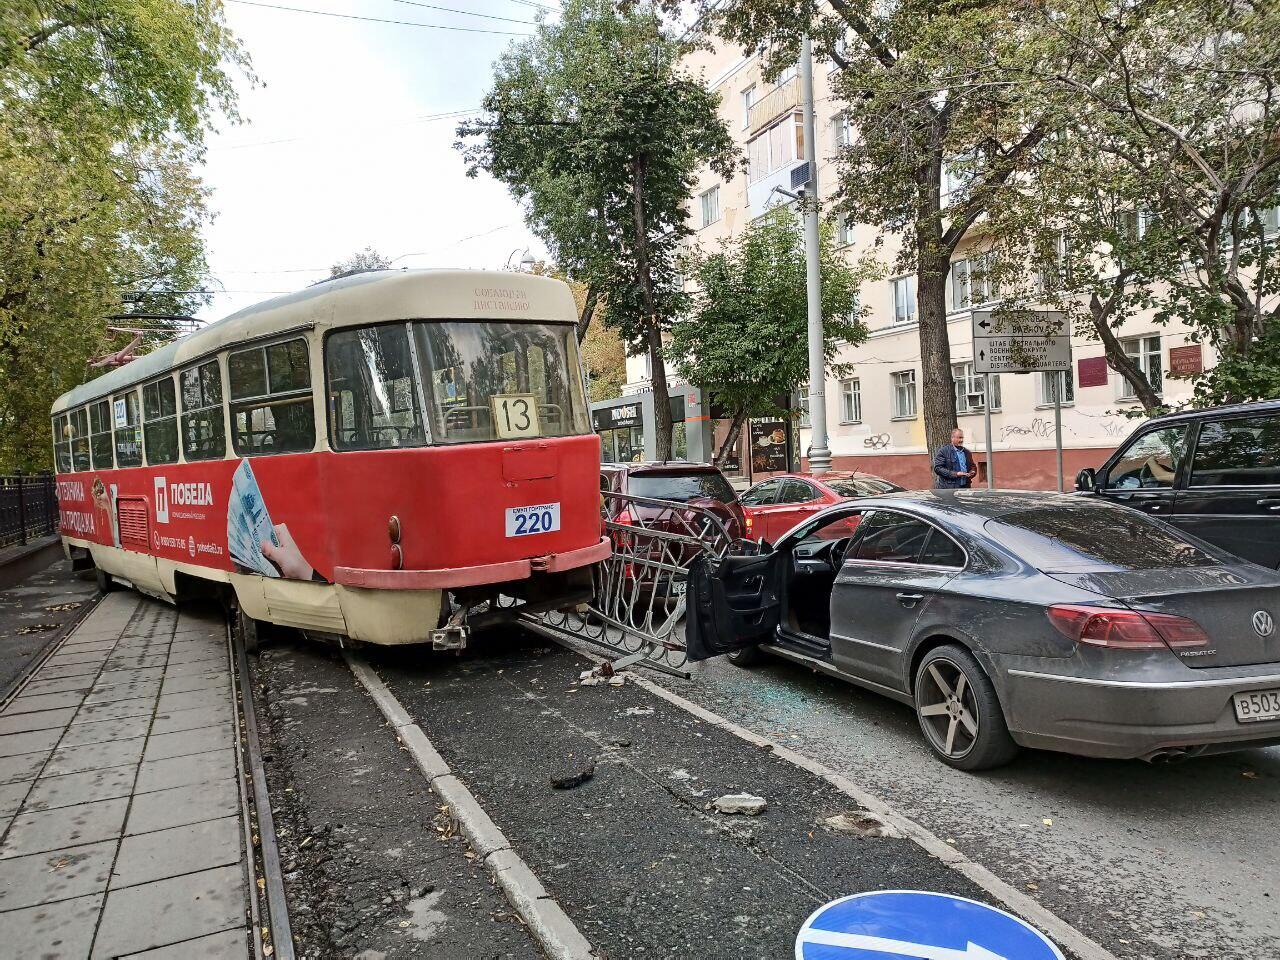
x: 874, y: 415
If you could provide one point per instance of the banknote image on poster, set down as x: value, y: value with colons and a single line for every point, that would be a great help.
x: 255, y: 543
x: 249, y: 524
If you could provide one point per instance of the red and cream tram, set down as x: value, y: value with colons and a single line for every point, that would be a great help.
x: 347, y: 459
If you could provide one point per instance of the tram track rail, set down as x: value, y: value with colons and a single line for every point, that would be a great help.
x: 273, y: 938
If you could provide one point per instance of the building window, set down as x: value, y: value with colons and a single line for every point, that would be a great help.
x: 203, y: 434
x: 1055, y: 269
x: 842, y: 130
x: 904, y: 394
x: 1049, y: 387
x: 970, y: 390
x: 972, y: 284
x: 904, y: 299
x: 851, y: 401
x: 160, y: 421
x: 1269, y: 220
x: 710, y: 206
x: 844, y: 233
x: 802, y: 404
x: 748, y: 101
x: 1145, y: 352
x: 271, y: 405
x: 775, y: 148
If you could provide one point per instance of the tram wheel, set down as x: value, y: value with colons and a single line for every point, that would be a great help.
x: 105, y: 583
x: 244, y: 627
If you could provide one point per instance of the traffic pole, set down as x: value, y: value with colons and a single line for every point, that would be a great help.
x: 986, y: 421
x: 1057, y: 425
x: 819, y: 452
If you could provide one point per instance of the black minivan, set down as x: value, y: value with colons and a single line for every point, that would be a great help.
x: 1215, y: 473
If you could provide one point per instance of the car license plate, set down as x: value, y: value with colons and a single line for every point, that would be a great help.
x: 1259, y: 705
x: 542, y: 518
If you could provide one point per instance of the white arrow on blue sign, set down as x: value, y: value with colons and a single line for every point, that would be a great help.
x: 917, y: 925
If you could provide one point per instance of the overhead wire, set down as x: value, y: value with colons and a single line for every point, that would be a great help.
x: 465, y: 13
x: 398, y: 23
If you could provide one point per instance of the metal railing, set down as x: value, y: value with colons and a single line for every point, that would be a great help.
x: 28, y: 507
x: 638, y: 608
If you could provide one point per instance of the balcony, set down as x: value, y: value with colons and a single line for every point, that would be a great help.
x: 774, y: 104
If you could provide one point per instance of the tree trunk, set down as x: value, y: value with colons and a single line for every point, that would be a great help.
x: 588, y: 310
x: 932, y: 264
x: 1100, y: 314
x: 731, y: 439
x: 653, y: 329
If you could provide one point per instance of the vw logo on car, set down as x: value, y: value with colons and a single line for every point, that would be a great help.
x: 1263, y: 624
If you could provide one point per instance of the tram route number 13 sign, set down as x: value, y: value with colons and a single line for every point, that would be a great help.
x: 515, y: 415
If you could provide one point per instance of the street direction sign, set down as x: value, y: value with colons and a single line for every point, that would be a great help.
x: 1020, y: 341
x: 918, y: 925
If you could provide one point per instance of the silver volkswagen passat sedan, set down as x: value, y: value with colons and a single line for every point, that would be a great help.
x: 1012, y: 619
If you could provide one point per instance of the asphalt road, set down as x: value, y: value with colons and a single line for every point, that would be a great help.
x: 1160, y: 862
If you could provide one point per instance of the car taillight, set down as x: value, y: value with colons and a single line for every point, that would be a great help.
x: 1125, y: 629
x: 750, y: 524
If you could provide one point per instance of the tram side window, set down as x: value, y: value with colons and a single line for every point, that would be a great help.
x: 128, y: 430
x: 80, y: 439
x: 100, y: 435
x: 373, y: 394
x: 62, y: 443
x: 271, y: 409
x: 203, y: 434
x: 160, y: 421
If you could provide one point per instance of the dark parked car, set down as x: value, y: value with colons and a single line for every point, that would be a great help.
x: 1215, y: 473
x: 776, y: 505
x: 1013, y: 619
x: 696, y: 484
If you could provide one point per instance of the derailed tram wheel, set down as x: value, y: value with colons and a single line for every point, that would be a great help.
x: 959, y: 712
x: 244, y: 627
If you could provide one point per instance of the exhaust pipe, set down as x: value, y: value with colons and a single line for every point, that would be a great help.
x: 1172, y: 755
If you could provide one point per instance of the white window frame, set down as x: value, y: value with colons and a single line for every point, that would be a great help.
x: 902, y: 299
x: 789, y: 156
x: 710, y: 203
x: 904, y: 388
x: 748, y: 101
x: 968, y: 385
x: 802, y: 405
x: 844, y: 231
x: 851, y: 400
x: 842, y: 129
x: 962, y: 283
x: 1146, y: 350
x: 1045, y: 381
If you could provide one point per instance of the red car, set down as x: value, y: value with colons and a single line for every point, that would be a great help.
x: 776, y: 505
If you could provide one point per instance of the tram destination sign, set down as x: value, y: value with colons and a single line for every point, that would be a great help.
x: 1020, y: 341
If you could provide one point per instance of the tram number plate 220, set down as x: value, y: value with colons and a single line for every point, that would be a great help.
x: 542, y: 518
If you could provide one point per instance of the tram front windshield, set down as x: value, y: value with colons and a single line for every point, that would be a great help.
x: 479, y: 380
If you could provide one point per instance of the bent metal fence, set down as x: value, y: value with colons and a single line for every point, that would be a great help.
x: 28, y: 507
x: 638, y: 609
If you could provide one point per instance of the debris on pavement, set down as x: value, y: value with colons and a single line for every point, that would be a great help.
x: 861, y: 824
x: 575, y: 777
x: 746, y: 804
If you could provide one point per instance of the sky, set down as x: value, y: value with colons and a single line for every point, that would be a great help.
x: 337, y: 152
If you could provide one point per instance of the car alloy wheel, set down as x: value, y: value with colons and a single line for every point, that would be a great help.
x: 947, y: 708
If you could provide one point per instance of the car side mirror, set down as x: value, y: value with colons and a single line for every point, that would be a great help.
x: 1087, y: 480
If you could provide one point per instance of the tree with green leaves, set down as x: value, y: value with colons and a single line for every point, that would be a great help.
x: 745, y: 339
x: 360, y: 262
x: 593, y: 125
x: 1161, y: 190
x: 912, y: 76
x: 103, y: 111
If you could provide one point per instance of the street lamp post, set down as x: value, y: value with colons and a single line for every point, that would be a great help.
x: 819, y: 452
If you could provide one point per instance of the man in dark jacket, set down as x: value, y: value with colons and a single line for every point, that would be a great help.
x: 953, y: 464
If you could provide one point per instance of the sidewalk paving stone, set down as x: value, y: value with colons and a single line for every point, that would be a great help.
x: 55, y: 875
x: 42, y: 701
x: 178, y: 720
x: 185, y: 742
x: 115, y: 711
x: 179, y: 806
x: 123, y: 691
x: 82, y: 684
x: 49, y: 793
x: 11, y: 797
x: 42, y: 720
x: 130, y: 675
x: 52, y: 931
x: 192, y: 653
x: 31, y: 742
x: 94, y: 756
x: 178, y: 850
x: 209, y: 681
x: 191, y: 700
x: 227, y: 945
x: 64, y: 827
x: 25, y: 766
x: 183, y: 771
x: 168, y: 911
x: 100, y: 731
x: 194, y: 668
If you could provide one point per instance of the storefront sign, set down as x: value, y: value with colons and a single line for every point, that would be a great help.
x: 1185, y: 361
x: 609, y: 418
x: 768, y: 446
x: 1092, y: 372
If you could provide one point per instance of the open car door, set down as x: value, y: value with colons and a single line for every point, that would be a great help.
x: 731, y: 606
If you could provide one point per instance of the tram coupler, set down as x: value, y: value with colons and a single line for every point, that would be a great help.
x: 450, y: 637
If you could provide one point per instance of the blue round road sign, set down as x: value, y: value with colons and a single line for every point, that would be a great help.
x: 915, y: 925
